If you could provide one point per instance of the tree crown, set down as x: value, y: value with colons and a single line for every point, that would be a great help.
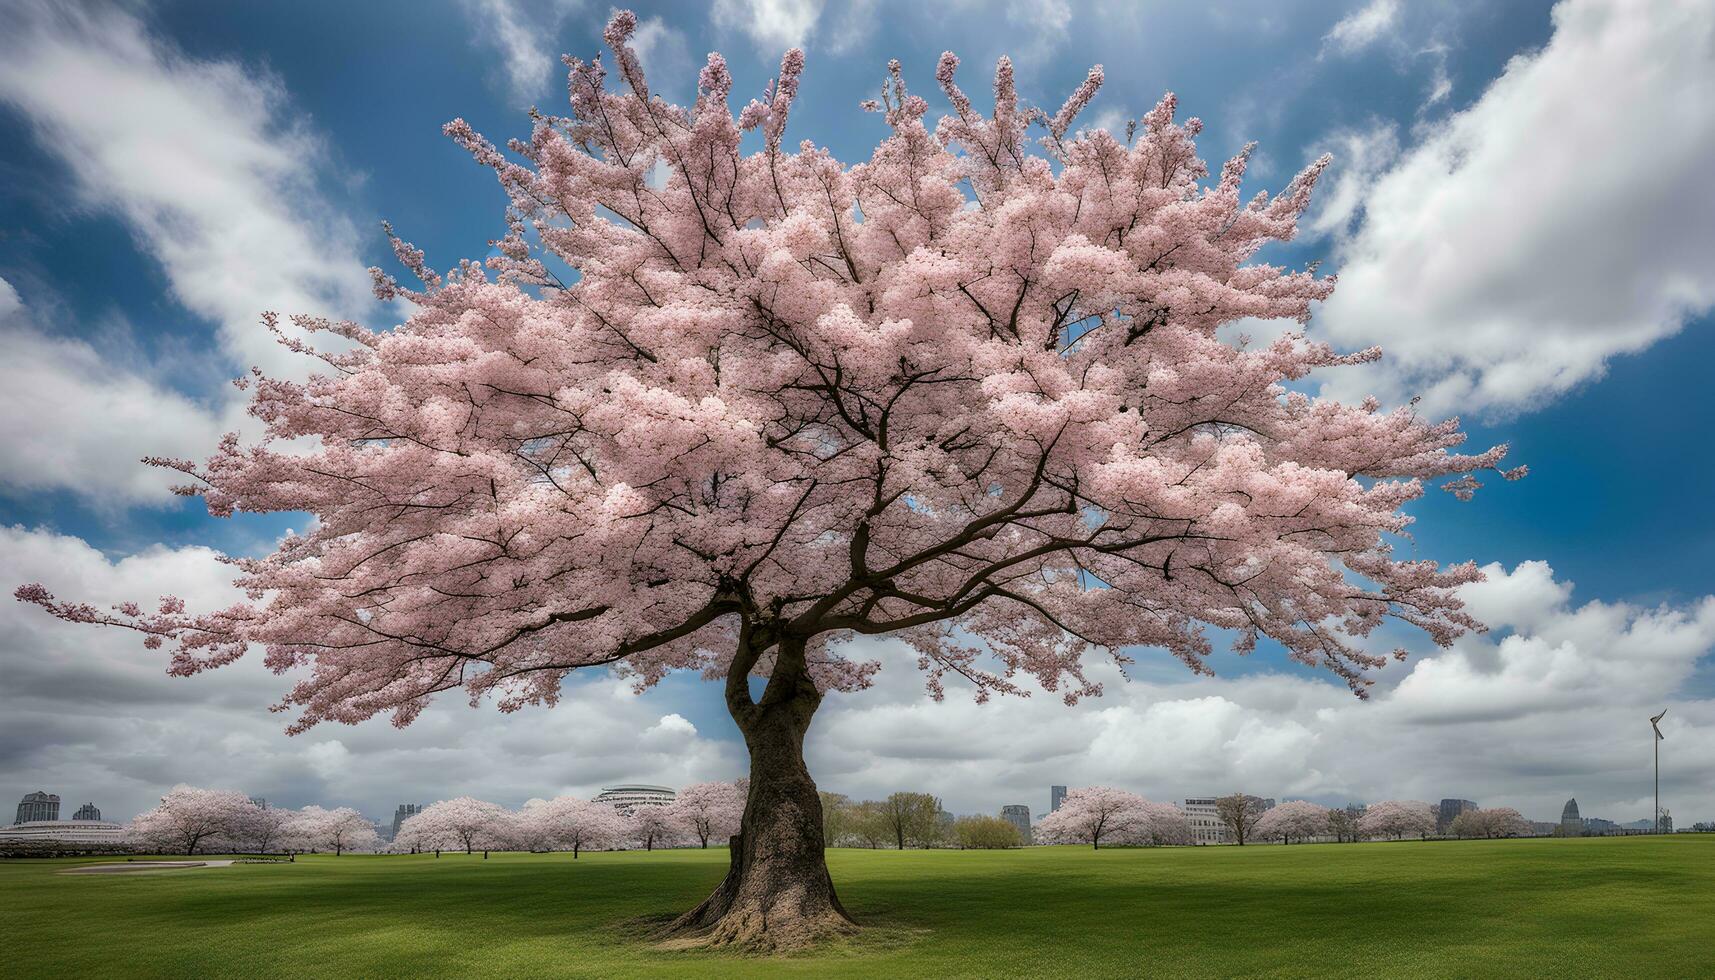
x: 714, y: 409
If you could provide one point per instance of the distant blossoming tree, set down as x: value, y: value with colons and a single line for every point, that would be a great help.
x: 1397, y: 819
x: 461, y: 823
x: 1500, y: 821
x: 1168, y: 824
x: 1293, y: 820
x: 967, y: 393
x: 710, y: 810
x: 1239, y: 813
x: 189, y: 818
x: 338, y: 830
x: 568, y: 823
x: 656, y: 826
x: 1095, y: 815
x: 265, y: 828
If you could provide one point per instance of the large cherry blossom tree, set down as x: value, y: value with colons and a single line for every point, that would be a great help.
x: 710, y: 810
x: 719, y: 407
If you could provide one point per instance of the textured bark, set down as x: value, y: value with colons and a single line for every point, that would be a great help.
x: 777, y: 893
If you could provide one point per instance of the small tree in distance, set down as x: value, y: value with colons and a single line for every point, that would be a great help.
x: 653, y: 826
x: 1397, y: 819
x: 710, y: 810
x: 1501, y: 821
x: 910, y: 818
x: 1096, y: 814
x: 1294, y: 819
x: 338, y: 830
x: 189, y: 817
x: 460, y: 823
x: 568, y: 823
x: 264, y: 828
x: 965, y: 393
x: 1343, y: 823
x: 984, y: 832
x: 1239, y: 814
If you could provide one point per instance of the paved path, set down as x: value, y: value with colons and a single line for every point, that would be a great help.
x: 131, y: 867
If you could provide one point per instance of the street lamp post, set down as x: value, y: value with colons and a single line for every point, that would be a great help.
x: 1655, y: 723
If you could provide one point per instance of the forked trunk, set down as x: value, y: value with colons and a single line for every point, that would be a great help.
x: 777, y: 893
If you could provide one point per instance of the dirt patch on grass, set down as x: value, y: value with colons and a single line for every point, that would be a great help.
x: 135, y: 867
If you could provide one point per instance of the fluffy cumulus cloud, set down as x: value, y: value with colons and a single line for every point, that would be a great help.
x: 1560, y: 220
x: 203, y: 160
x: 72, y: 419
x: 91, y: 714
x: 216, y: 178
x: 771, y: 25
x: 1551, y: 703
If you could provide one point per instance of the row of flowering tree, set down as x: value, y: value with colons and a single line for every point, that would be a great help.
x: 973, y: 393
x: 1098, y: 814
x: 700, y: 814
x: 190, y: 819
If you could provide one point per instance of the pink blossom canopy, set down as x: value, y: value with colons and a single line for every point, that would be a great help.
x: 969, y: 392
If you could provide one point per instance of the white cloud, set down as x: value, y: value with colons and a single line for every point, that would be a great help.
x: 1559, y: 221
x: 216, y: 178
x: 665, y: 56
x: 772, y: 25
x: 71, y: 418
x: 89, y: 713
x: 523, y: 33
x: 1360, y: 155
x: 1552, y: 704
x: 1363, y: 27
x: 203, y: 160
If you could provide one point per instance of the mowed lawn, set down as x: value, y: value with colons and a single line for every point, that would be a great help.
x: 1591, y: 907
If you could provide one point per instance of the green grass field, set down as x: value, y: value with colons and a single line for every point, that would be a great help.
x: 1591, y: 907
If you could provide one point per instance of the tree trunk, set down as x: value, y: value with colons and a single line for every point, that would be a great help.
x: 777, y: 893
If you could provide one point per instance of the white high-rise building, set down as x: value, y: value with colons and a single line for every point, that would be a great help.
x: 1018, y: 815
x: 38, y: 806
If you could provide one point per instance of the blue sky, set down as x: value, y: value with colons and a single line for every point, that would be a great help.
x: 331, y: 113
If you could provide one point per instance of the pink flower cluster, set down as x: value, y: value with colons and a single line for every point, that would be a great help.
x: 962, y: 392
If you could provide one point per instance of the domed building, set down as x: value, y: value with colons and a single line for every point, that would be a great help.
x: 633, y: 795
x: 1571, y: 825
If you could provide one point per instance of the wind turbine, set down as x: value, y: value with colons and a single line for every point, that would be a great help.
x: 1655, y: 723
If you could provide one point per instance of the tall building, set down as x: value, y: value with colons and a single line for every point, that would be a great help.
x: 405, y: 812
x: 1056, y: 796
x: 38, y: 806
x: 87, y: 812
x: 1570, y: 824
x: 1448, y: 810
x: 1018, y: 815
x: 1205, y: 821
x: 633, y: 795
